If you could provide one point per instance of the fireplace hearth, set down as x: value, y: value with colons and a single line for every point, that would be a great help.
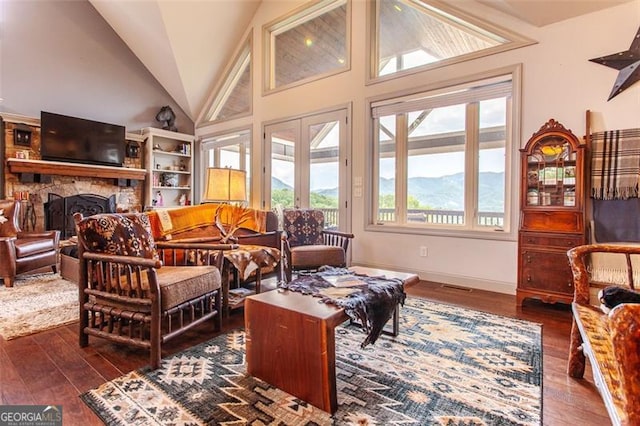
x: 59, y: 210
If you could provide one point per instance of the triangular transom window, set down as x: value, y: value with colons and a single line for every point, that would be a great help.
x: 233, y: 98
x: 415, y: 34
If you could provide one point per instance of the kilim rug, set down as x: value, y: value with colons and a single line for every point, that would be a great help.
x: 448, y: 366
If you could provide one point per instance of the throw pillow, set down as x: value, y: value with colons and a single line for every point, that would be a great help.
x: 304, y: 226
x: 118, y: 234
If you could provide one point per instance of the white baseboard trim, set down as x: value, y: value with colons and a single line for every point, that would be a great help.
x: 454, y: 280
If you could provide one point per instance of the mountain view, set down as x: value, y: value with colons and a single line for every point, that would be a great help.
x: 441, y: 193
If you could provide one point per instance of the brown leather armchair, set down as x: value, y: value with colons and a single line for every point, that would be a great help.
x: 306, y: 245
x: 22, y: 252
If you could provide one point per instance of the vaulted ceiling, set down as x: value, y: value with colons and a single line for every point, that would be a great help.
x: 186, y: 44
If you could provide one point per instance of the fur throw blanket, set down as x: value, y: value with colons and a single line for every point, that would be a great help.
x: 370, y: 301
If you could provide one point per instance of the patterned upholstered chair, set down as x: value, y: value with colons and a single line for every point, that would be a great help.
x: 20, y: 251
x: 306, y: 245
x: 129, y: 297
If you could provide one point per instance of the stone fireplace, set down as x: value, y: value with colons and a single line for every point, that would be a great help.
x: 87, y: 191
x: 36, y: 187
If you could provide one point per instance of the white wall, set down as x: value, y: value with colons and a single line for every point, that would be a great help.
x: 558, y: 82
x: 61, y: 56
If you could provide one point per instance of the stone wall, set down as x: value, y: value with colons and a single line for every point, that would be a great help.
x: 37, y: 193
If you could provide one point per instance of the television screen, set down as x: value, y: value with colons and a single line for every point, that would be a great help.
x: 73, y: 139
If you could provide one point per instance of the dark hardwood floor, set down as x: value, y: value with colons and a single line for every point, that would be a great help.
x: 50, y: 367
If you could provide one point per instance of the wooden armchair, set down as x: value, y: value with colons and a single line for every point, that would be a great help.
x: 22, y: 252
x: 306, y: 245
x: 129, y: 297
x: 610, y: 342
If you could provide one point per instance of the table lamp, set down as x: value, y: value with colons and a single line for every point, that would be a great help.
x: 225, y: 185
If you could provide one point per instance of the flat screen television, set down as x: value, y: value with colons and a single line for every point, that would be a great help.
x: 78, y: 140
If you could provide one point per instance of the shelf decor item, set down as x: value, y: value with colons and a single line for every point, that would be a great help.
x: 22, y: 135
x: 169, y: 180
x: 552, y: 213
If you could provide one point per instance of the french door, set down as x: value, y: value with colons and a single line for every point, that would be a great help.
x: 307, y: 166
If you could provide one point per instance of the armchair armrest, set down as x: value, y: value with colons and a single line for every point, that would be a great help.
x: 125, y: 260
x: 53, y: 235
x: 337, y: 238
x: 268, y: 238
x: 338, y: 233
x: 194, y: 240
x: 8, y: 256
x: 203, y: 245
x: 189, y: 253
x: 118, y: 282
x: 580, y: 259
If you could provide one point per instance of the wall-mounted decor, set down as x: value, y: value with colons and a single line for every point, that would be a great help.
x: 627, y: 62
x: 22, y: 135
x: 133, y: 149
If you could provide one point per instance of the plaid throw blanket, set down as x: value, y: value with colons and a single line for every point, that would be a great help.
x: 615, y: 164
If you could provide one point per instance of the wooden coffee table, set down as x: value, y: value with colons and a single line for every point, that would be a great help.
x: 290, y: 341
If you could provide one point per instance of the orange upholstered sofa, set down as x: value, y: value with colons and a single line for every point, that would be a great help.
x: 255, y: 231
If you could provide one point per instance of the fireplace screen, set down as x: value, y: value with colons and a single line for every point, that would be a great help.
x: 59, y: 211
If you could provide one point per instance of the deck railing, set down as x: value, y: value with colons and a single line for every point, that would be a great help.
x: 435, y: 217
x: 443, y: 217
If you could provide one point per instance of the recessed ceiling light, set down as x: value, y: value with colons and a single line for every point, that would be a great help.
x: 308, y: 42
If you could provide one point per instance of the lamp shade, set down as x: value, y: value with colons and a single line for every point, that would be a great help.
x: 225, y: 185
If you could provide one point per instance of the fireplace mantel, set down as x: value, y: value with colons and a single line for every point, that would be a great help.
x: 19, y: 165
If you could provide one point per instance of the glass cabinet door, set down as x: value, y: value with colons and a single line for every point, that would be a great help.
x: 551, y: 174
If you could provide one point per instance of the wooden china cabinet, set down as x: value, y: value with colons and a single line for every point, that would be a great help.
x: 551, y: 213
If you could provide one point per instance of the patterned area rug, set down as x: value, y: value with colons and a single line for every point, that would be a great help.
x: 37, y: 303
x: 449, y: 366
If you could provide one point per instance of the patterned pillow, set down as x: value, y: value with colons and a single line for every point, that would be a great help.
x: 8, y: 216
x: 304, y: 226
x: 119, y: 234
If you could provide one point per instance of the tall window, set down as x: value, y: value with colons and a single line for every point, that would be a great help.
x: 231, y: 150
x: 415, y: 34
x: 310, y: 43
x: 441, y: 158
x: 233, y: 97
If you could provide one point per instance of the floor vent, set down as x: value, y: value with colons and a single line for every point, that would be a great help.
x: 454, y: 287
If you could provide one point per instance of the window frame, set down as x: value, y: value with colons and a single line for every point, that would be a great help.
x: 208, y: 143
x: 509, y: 230
x: 219, y: 96
x: 514, y: 41
x: 294, y: 18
